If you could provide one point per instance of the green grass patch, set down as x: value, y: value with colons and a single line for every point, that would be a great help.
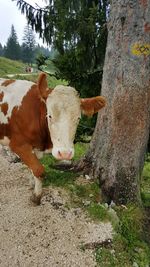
x: 60, y: 178
x: 145, y: 198
x: 112, y: 258
x: 83, y: 195
x: 128, y: 245
x: 98, y: 212
x: 29, y: 77
x: 145, y: 183
x: 130, y: 227
x: 80, y: 149
x: 49, y: 66
x: 55, y: 177
x: 52, y: 81
x: 8, y: 66
x: 120, y: 256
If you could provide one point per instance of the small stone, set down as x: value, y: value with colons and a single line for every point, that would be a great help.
x: 135, y: 264
x: 86, y: 202
x: 87, y: 177
x: 112, y: 204
x: 106, y: 205
x: 112, y: 251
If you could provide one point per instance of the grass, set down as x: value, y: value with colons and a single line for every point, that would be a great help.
x: 112, y: 258
x: 8, y: 66
x: 120, y: 256
x: 60, y: 178
x: 49, y: 67
x: 52, y: 81
x: 129, y: 248
x: 98, y: 212
x: 145, y: 183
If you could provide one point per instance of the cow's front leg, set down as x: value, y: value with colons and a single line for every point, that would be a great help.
x: 28, y: 156
x: 36, y: 185
x: 36, y: 197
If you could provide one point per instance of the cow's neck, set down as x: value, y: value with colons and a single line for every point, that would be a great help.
x: 33, y: 126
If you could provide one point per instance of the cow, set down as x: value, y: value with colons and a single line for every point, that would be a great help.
x: 35, y: 119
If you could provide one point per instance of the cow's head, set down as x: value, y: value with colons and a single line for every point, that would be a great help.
x: 64, y: 108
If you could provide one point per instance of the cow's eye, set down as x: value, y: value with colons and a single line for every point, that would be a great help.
x: 49, y: 116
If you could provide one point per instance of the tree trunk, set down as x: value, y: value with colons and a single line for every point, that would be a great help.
x: 116, y: 153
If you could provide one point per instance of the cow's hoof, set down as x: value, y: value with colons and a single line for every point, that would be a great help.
x: 36, y: 199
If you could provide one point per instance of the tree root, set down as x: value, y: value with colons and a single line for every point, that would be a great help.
x: 93, y: 245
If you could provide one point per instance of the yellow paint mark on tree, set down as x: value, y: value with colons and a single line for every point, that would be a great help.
x: 140, y: 49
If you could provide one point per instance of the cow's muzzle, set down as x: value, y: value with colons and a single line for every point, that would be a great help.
x: 63, y: 154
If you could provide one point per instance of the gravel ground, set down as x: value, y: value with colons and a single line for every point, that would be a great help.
x: 46, y: 235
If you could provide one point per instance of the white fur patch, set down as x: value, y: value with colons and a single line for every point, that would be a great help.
x: 63, y: 113
x: 5, y: 141
x: 3, y: 118
x: 38, y: 187
x: 13, y: 94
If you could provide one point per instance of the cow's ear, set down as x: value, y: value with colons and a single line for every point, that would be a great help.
x: 92, y: 105
x: 43, y: 86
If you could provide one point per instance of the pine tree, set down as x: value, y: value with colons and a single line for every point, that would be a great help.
x: 77, y: 31
x: 12, y: 48
x: 28, y: 45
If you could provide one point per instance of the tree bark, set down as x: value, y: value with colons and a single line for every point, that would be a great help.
x: 117, y: 150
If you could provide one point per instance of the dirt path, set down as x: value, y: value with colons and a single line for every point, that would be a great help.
x: 47, y: 235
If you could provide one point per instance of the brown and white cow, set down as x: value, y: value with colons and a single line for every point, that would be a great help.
x: 36, y: 119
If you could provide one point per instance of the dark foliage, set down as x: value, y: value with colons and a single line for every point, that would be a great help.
x: 77, y: 31
x: 12, y: 48
x: 40, y: 61
x: 28, y: 45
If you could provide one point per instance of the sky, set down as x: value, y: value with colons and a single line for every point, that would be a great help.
x: 10, y: 14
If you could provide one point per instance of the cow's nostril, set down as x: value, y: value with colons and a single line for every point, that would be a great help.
x: 70, y: 154
x: 66, y: 155
x: 59, y: 153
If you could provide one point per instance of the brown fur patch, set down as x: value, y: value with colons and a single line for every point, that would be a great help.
x: 43, y: 86
x: 4, y: 108
x: 4, y: 130
x: 27, y: 127
x: 7, y: 82
x: 34, y: 110
x: 1, y: 96
x: 92, y: 105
